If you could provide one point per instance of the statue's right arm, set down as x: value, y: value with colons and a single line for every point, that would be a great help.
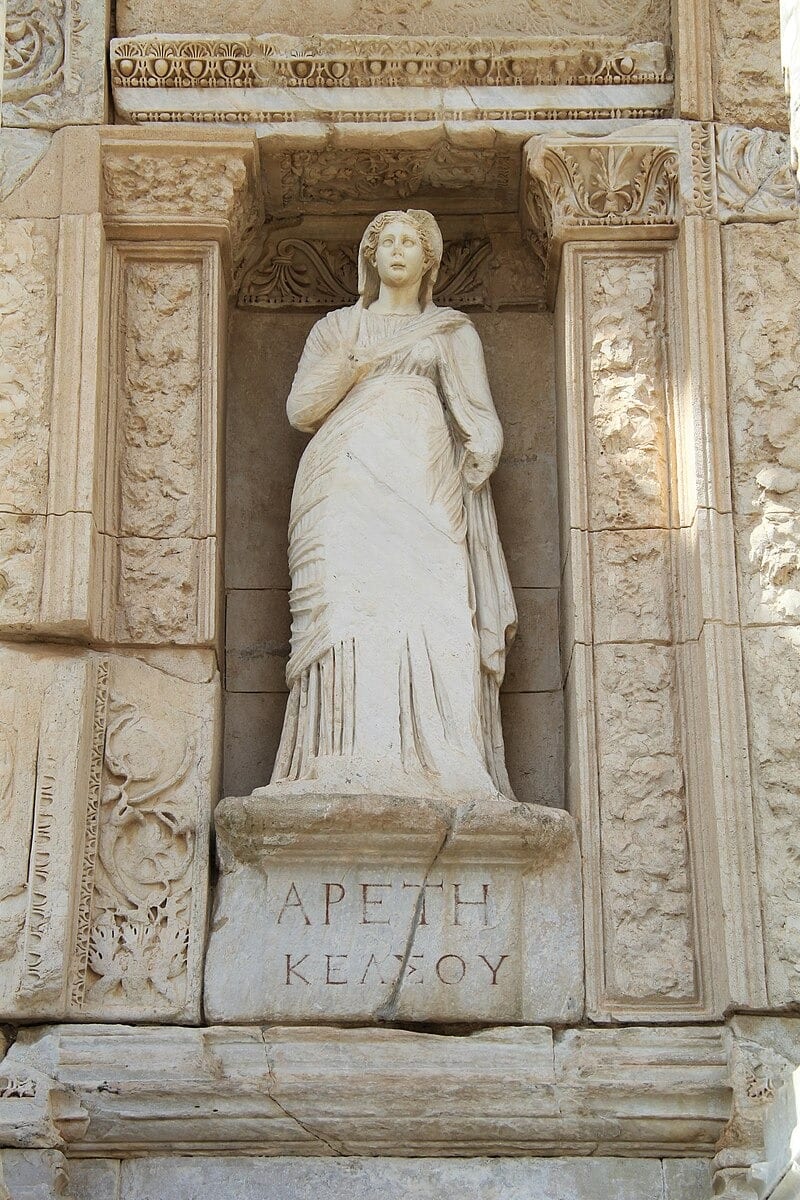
x: 325, y: 374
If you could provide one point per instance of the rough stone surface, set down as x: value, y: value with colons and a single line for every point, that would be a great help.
x: 772, y: 677
x: 646, y: 19
x: 20, y: 151
x: 28, y: 297
x: 375, y: 909
x: 748, y: 88
x: 761, y: 286
x: 760, y: 269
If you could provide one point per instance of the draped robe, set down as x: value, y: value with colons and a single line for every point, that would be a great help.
x: 401, y: 604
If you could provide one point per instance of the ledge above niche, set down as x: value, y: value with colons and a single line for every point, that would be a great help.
x: 333, y: 79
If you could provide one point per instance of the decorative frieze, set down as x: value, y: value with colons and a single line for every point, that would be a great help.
x: 107, y: 773
x: 443, y: 176
x: 358, y: 61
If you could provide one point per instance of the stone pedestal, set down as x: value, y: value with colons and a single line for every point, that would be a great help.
x: 380, y: 909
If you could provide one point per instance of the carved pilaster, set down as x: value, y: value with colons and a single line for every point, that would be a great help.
x: 180, y: 213
x: 657, y: 741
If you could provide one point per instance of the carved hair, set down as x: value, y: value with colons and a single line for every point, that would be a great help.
x: 427, y: 230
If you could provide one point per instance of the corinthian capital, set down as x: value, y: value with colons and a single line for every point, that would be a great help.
x: 577, y: 187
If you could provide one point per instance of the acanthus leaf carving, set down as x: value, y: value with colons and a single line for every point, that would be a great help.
x: 755, y: 181
x: 296, y: 272
x: 580, y: 185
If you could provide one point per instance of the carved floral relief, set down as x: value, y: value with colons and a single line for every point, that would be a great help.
x: 162, y: 437
x: 107, y: 776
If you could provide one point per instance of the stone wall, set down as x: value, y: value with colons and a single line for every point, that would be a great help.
x: 620, y: 182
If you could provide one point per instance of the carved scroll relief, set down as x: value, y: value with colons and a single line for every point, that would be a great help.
x: 162, y: 444
x: 107, y: 771
x: 54, y: 63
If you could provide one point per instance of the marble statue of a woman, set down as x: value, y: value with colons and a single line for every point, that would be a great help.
x: 402, y: 609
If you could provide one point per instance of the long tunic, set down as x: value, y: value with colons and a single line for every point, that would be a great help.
x: 400, y: 599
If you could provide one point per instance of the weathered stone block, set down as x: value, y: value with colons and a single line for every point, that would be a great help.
x: 382, y: 909
x: 533, y: 660
x: 325, y: 1091
x: 253, y: 724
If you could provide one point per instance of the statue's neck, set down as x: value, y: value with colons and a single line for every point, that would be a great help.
x: 397, y: 301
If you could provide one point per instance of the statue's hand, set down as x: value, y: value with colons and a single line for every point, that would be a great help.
x: 476, y: 469
x: 358, y: 363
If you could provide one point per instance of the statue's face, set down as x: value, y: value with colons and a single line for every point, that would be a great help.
x: 400, y: 255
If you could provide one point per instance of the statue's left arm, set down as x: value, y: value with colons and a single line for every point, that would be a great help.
x: 465, y: 384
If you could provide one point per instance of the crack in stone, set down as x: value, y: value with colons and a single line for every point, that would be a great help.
x: 312, y: 1133
x: 388, y: 1010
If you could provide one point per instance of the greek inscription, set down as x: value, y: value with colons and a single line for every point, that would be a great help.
x: 423, y: 918
x: 330, y: 901
x: 331, y: 968
x: 451, y: 973
x: 341, y: 970
x: 372, y: 964
x: 291, y: 969
x: 368, y: 901
x: 459, y: 903
x: 293, y: 903
x: 494, y: 969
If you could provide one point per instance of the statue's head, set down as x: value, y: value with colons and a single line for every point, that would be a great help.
x: 413, y: 236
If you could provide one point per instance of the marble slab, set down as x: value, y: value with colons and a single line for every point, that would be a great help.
x: 384, y: 909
